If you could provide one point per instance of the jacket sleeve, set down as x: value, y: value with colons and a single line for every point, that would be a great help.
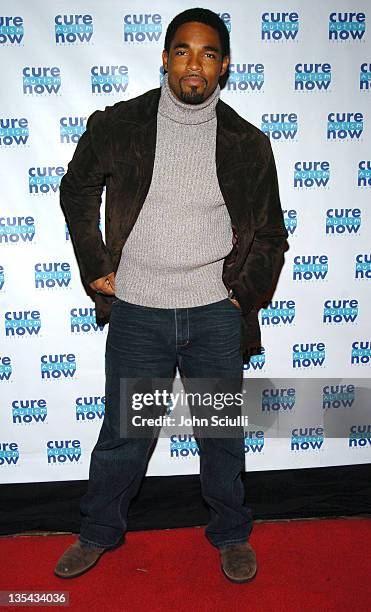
x: 268, y: 245
x: 81, y: 196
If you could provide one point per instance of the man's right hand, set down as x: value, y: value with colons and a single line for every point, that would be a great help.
x: 105, y: 284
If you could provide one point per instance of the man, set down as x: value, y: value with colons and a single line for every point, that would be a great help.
x: 194, y: 237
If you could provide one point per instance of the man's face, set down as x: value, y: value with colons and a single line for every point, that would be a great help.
x: 194, y: 63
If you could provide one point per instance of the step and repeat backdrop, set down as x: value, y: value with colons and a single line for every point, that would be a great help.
x: 301, y: 72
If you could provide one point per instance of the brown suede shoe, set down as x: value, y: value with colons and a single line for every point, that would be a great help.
x: 77, y: 560
x: 238, y: 562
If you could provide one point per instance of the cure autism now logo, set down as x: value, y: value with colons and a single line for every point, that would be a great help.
x: 245, y: 77
x: 90, y: 408
x: 183, y: 445
x: 360, y: 436
x: 279, y: 27
x: 22, y: 323
x: 312, y: 77
x: 63, y: 451
x: 29, y: 411
x: 256, y: 362
x: 307, y: 438
x: 344, y: 126
x: 310, y: 267
x: 254, y: 441
x: 58, y: 366
x: 291, y: 220
x: 11, y: 30
x: 71, y: 129
x: 108, y: 79
x: 311, y: 174
x: 365, y: 77
x: 280, y: 126
x: 364, y: 173
x: 72, y: 29
x: 343, y: 221
x: 346, y: 26
x: 340, y: 311
x: 82, y: 320
x: 142, y: 27
x: 280, y: 399
x: 9, y: 453
x: 363, y: 266
x: 17, y: 229
x: 338, y: 396
x: 45, y: 180
x: 5, y: 367
x: 13, y: 131
x: 51, y: 275
x: 278, y: 312
x: 41, y: 80
x: 308, y: 354
x: 361, y: 352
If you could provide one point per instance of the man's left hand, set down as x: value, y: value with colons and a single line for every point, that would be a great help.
x: 235, y: 302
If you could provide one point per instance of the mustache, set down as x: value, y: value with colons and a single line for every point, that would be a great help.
x: 196, y: 76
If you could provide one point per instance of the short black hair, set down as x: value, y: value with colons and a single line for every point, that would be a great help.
x: 200, y: 15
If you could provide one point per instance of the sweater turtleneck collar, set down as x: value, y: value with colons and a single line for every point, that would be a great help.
x: 171, y: 107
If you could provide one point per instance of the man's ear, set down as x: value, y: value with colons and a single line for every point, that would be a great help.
x: 165, y: 59
x: 225, y: 64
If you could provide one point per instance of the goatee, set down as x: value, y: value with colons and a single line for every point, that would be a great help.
x: 192, y: 97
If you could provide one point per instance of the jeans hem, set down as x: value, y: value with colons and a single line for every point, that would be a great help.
x: 90, y: 543
x: 230, y: 542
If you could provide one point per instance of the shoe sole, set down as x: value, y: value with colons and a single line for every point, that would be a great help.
x: 235, y: 580
x: 76, y: 574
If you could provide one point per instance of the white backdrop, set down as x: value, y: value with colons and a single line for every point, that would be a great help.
x: 302, y: 73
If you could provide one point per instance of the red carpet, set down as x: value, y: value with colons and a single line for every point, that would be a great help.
x: 316, y: 565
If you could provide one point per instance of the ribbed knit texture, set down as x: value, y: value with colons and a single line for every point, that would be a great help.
x: 173, y: 257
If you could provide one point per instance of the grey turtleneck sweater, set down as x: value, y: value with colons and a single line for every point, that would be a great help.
x: 173, y: 257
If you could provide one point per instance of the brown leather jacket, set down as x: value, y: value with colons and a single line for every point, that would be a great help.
x: 118, y: 151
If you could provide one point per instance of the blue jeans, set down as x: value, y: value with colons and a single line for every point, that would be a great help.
x: 203, y: 342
